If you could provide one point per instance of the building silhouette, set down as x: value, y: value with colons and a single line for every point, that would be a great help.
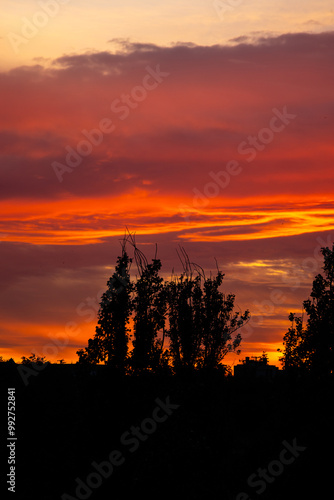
x: 255, y: 367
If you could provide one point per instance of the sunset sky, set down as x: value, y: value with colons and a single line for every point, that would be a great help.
x: 206, y: 124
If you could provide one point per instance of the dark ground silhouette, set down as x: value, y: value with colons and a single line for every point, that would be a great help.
x: 90, y: 431
x: 222, y: 432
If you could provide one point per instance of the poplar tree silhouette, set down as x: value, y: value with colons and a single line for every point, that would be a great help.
x: 201, y: 319
x: 110, y: 343
x: 185, y: 328
x: 149, y: 308
x: 149, y: 317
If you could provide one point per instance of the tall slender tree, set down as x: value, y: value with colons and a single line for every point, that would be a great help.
x: 149, y: 317
x: 110, y: 343
x: 185, y: 318
x: 149, y: 312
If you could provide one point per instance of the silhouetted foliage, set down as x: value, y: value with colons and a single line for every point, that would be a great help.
x: 184, y: 332
x: 149, y: 310
x: 292, y: 359
x: 10, y: 360
x: 311, y: 348
x: 264, y: 357
x: 110, y: 343
x: 201, y: 322
x: 149, y: 317
x: 219, y: 322
x: 190, y: 310
x: 33, y: 359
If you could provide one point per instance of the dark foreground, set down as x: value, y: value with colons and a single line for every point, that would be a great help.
x: 94, y: 436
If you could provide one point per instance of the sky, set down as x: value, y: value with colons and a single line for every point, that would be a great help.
x: 205, y: 124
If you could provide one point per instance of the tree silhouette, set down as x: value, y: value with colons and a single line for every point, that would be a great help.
x: 264, y: 357
x: 292, y: 359
x: 220, y: 322
x: 149, y: 317
x: 110, y: 343
x: 312, y: 348
x: 149, y: 308
x: 33, y: 359
x: 184, y: 303
x: 190, y: 310
x: 201, y: 320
